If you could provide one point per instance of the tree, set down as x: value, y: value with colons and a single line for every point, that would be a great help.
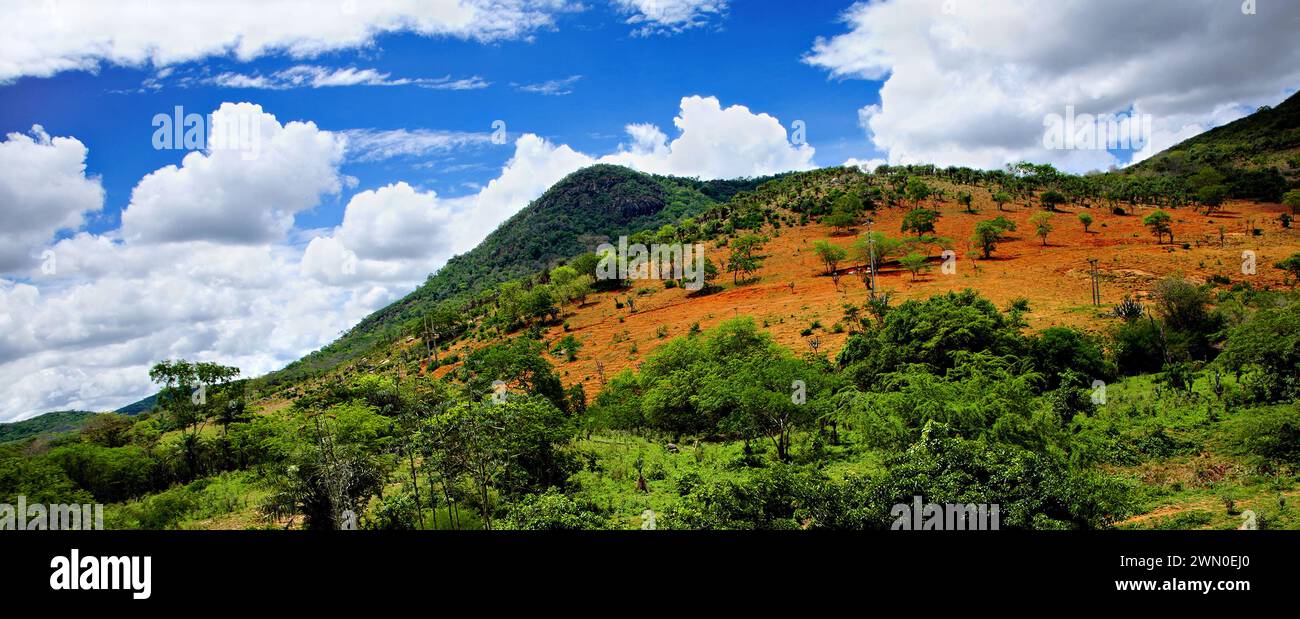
x: 878, y: 242
x: 586, y: 264
x: 757, y: 388
x: 989, y: 233
x: 1086, y: 220
x: 745, y: 258
x: 563, y: 280
x: 843, y: 213
x: 1001, y: 198
x: 579, y: 289
x: 965, y: 199
x: 1292, y: 199
x: 510, y: 446
x: 1188, y: 322
x: 1292, y: 266
x: 1270, y: 343
x: 1160, y: 224
x: 539, y: 303
x: 1042, y: 225
x: 920, y: 221
x: 917, y: 190
x: 189, y: 395
x: 914, y: 262
x: 338, y: 468
x: 568, y: 346
x: 1211, y: 197
x: 519, y: 364
x: 709, y: 276
x: 830, y: 255
x: 1050, y: 199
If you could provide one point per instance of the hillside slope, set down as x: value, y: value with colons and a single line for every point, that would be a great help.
x: 572, y: 217
x: 50, y: 423
x: 1268, y: 138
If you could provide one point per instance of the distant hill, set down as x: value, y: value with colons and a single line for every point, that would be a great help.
x: 142, y: 406
x: 572, y: 217
x: 49, y: 423
x: 1268, y: 138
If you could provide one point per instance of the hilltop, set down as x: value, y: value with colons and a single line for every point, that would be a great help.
x: 583, y: 209
x: 1253, y: 156
x: 56, y: 422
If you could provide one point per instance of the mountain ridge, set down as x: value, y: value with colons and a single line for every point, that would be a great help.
x: 572, y: 216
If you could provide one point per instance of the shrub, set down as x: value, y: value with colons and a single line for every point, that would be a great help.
x: 1270, y: 433
x: 553, y: 511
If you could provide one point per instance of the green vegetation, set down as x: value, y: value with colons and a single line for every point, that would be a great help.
x: 1183, y: 401
x: 1160, y: 224
x: 1042, y: 223
x: 990, y: 232
x: 830, y: 255
x: 48, y: 424
x: 602, y: 201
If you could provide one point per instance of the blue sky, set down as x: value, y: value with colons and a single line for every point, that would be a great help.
x: 114, y: 255
x: 751, y: 58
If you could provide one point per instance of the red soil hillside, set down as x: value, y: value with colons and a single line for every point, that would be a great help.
x: 1054, y: 278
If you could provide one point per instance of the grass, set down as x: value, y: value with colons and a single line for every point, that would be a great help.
x: 1207, y: 482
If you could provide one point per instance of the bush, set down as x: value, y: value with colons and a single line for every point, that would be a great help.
x: 552, y: 511
x: 1032, y: 489
x: 1269, y: 433
x: 1137, y: 347
x: 767, y: 500
x: 1058, y: 349
x: 933, y: 332
x: 1268, y: 347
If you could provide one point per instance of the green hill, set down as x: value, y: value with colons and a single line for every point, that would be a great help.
x: 573, y: 216
x: 142, y: 406
x: 49, y: 423
x: 1268, y: 139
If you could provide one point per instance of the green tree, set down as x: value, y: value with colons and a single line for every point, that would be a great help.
x: 1160, y: 224
x: 914, y: 262
x: 917, y: 190
x: 1292, y: 199
x: 505, y: 446
x: 965, y: 199
x: 1051, y: 199
x: 190, y: 395
x: 1291, y: 265
x: 745, y: 258
x: 878, y: 242
x: 1000, y: 198
x: 920, y: 221
x: 1268, y: 343
x: 844, y: 213
x: 1042, y: 225
x: 1086, y: 220
x: 1211, y: 197
x: 830, y: 255
x: 990, y: 232
x: 569, y: 347
x: 539, y: 303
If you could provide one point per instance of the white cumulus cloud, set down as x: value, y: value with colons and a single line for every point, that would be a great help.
x: 970, y: 83
x: 43, y: 37
x: 207, y: 264
x: 43, y: 189
x: 247, y: 193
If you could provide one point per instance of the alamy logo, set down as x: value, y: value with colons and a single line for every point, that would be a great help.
x: 1096, y: 132
x: 236, y: 130
x: 921, y: 516
x: 676, y: 261
x: 41, y: 517
x: 91, y: 573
